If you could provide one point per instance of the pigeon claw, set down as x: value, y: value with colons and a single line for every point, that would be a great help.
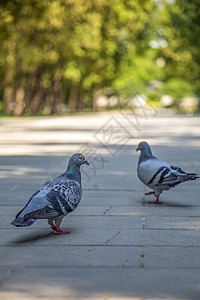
x: 155, y: 202
x: 62, y: 232
x: 57, y: 230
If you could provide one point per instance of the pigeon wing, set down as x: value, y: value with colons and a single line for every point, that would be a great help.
x: 150, y: 170
x: 37, y: 201
x: 174, y: 176
x: 60, y: 200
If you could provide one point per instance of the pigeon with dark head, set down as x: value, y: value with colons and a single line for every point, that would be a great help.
x: 158, y: 175
x: 55, y: 199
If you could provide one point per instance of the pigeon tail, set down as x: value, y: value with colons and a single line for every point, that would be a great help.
x: 43, y: 213
x: 20, y: 222
x: 191, y: 176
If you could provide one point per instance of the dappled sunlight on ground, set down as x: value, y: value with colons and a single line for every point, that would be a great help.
x: 53, y: 135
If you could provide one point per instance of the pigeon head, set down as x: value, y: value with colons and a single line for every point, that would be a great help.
x: 144, y: 148
x: 78, y: 159
x: 75, y: 162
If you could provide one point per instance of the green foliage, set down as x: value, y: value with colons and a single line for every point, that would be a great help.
x: 53, y: 52
x: 136, y: 71
x: 83, y: 41
x: 177, y: 88
x: 180, y: 21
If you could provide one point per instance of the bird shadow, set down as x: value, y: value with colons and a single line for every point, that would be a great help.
x: 33, y: 237
x: 171, y: 204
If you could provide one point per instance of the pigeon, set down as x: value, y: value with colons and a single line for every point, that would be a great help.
x: 55, y: 199
x: 158, y: 175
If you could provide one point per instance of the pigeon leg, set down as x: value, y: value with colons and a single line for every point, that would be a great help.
x: 50, y: 222
x: 150, y: 193
x: 53, y: 227
x: 156, y: 202
x: 59, y: 231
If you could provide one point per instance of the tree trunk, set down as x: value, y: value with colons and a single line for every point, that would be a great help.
x: 30, y: 89
x: 19, y: 96
x: 36, y: 101
x: 48, y: 104
x: 57, y: 99
x: 53, y: 98
x: 73, y: 98
x: 8, y: 95
x: 38, y: 95
x: 95, y: 96
x: 81, y: 104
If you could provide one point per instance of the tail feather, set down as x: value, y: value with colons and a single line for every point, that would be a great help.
x: 190, y: 176
x: 172, y: 181
x: 20, y: 222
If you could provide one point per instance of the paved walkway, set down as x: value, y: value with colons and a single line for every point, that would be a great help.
x: 120, y: 247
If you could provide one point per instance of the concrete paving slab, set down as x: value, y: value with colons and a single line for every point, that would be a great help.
x: 173, y: 223
x: 70, y: 256
x: 172, y: 257
x: 94, y: 283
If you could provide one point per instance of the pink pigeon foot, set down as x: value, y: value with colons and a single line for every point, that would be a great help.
x: 150, y: 193
x: 155, y: 202
x: 59, y: 231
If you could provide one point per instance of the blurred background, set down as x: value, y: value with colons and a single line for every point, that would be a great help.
x: 59, y: 56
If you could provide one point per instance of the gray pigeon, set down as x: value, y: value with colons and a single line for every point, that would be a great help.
x: 158, y: 175
x: 55, y: 199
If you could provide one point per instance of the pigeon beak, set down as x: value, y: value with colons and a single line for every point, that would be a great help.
x: 138, y: 147
x: 86, y: 162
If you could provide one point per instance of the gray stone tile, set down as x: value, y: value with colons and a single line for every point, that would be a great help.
x: 99, y: 283
x: 172, y: 257
x: 70, y: 256
x: 173, y: 223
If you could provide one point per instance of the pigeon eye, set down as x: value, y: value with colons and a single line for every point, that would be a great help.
x: 81, y: 157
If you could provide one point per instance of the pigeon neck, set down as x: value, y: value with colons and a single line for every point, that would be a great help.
x: 73, y: 169
x: 147, y: 151
x: 145, y: 154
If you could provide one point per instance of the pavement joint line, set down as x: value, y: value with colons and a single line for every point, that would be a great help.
x: 143, y: 222
x: 142, y: 254
x: 135, y: 229
x: 103, y: 245
x: 143, y: 201
x: 100, y: 267
x: 111, y: 190
x: 127, y: 205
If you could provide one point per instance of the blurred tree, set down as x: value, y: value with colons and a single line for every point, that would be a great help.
x: 180, y: 31
x: 65, y: 48
x: 53, y: 51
